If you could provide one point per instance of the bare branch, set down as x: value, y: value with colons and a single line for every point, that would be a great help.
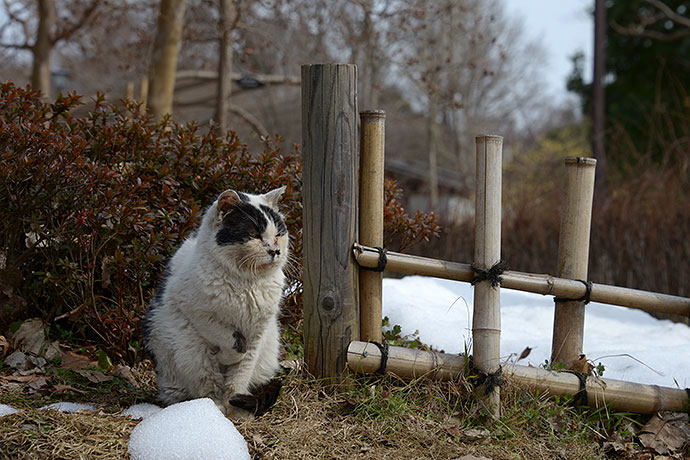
x: 17, y: 46
x: 66, y: 32
x: 641, y: 29
x: 672, y: 15
x: 24, y: 24
x: 636, y: 31
x: 250, y: 119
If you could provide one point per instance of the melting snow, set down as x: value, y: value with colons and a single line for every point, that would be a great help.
x: 191, y: 430
x: 631, y: 344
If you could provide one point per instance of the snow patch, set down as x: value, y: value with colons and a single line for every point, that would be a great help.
x: 190, y: 430
x: 627, y: 341
x: 7, y: 410
x: 68, y: 407
x: 141, y: 411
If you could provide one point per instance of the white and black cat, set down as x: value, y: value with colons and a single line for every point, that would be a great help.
x: 212, y: 326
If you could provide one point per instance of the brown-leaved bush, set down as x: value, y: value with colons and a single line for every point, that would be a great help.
x: 93, y: 207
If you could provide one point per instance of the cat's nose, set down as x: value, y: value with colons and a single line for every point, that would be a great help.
x: 274, y: 252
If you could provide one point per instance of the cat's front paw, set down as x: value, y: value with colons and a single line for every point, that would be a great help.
x: 238, y: 415
x: 240, y: 342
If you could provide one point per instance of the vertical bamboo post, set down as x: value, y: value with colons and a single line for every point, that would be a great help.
x: 129, y: 91
x: 129, y: 96
x: 573, y: 256
x: 329, y: 198
x: 371, y: 219
x: 486, y: 321
x: 143, y: 95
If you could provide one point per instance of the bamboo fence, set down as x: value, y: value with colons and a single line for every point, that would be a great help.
x: 342, y: 298
x: 363, y: 357
x: 529, y: 282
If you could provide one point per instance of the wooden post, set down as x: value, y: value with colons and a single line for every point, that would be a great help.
x: 573, y: 256
x: 371, y: 220
x: 486, y: 321
x: 329, y: 198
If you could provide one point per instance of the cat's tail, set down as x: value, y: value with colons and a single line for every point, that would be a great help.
x: 260, y: 400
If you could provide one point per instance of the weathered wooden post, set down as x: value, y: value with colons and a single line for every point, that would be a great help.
x: 371, y: 219
x: 486, y: 321
x: 329, y: 142
x: 573, y: 257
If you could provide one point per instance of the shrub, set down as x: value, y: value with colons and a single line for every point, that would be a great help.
x: 95, y: 205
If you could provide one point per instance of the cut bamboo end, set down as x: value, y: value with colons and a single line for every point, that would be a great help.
x: 581, y: 161
x: 408, y: 363
x: 373, y: 114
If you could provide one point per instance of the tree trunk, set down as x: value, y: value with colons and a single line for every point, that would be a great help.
x: 40, y: 74
x: 598, y: 97
x: 166, y: 48
x: 432, y: 132
x: 228, y: 14
x: 371, y: 64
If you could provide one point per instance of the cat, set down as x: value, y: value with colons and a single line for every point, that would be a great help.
x: 212, y: 326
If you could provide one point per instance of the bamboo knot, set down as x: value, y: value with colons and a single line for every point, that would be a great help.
x: 383, y: 258
x: 492, y: 274
x: 580, y: 397
x: 383, y: 348
x: 585, y: 298
x: 490, y: 380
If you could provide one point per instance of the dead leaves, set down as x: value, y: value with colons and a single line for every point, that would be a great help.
x: 666, y: 433
x: 33, y: 363
x: 469, y: 435
x: 582, y: 366
x: 4, y: 346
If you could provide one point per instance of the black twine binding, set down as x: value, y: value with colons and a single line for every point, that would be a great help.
x: 383, y: 260
x: 491, y: 380
x: 383, y: 348
x: 493, y: 274
x: 580, y: 397
x: 585, y: 298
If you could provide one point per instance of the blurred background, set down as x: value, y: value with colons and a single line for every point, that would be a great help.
x: 607, y: 79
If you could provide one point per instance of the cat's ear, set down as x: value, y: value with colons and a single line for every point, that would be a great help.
x: 226, y: 201
x: 273, y: 196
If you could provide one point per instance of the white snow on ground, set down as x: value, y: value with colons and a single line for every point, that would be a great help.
x: 68, y: 407
x: 141, y: 411
x: 622, y: 339
x: 191, y: 430
x: 7, y: 410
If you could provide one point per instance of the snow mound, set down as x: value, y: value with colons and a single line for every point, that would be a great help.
x: 68, y: 407
x: 190, y: 430
x: 7, y: 410
x: 141, y: 411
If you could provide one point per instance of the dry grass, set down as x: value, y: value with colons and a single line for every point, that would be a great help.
x: 369, y: 418
x: 46, y: 434
x: 379, y: 418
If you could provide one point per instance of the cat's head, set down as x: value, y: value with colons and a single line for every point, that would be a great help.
x: 249, y: 230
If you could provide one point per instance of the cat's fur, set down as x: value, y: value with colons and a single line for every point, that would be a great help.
x: 212, y: 327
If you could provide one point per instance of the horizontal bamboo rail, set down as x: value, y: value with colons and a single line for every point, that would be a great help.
x: 365, y: 358
x: 537, y: 283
